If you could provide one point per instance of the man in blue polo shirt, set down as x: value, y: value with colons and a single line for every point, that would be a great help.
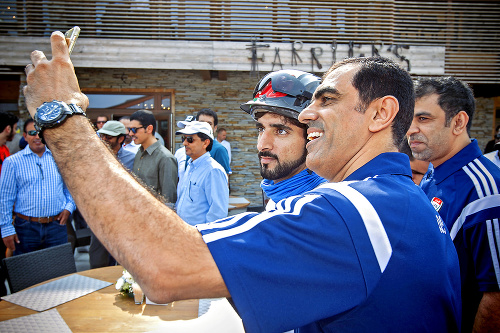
x: 343, y: 257
x: 365, y: 252
x: 464, y: 190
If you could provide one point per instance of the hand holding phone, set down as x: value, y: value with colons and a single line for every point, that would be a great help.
x: 71, y: 36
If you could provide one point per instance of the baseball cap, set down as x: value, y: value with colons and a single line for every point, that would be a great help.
x: 113, y: 128
x: 195, y: 127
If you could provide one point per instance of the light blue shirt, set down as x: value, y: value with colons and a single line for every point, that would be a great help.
x: 126, y: 157
x: 202, y: 193
x: 34, y: 185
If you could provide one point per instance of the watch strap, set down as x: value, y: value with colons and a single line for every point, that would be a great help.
x: 70, y: 111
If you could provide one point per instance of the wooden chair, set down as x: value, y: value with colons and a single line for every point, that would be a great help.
x: 27, y: 269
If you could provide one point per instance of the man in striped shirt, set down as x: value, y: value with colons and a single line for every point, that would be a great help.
x: 31, y: 186
x: 464, y: 190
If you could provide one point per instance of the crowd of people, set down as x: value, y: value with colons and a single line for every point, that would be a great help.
x: 381, y: 212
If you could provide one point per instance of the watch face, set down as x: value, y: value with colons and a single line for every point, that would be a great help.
x: 49, y: 112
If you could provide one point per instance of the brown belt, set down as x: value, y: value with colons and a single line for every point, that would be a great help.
x: 37, y: 219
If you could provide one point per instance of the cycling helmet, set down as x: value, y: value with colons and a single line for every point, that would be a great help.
x: 286, y: 92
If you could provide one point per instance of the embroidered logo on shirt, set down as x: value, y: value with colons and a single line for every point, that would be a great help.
x: 437, y: 203
x: 440, y: 223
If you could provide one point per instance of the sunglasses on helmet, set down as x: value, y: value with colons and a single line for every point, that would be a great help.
x: 280, y: 83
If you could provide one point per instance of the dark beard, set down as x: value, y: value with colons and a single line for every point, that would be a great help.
x: 281, y: 170
x: 11, y: 135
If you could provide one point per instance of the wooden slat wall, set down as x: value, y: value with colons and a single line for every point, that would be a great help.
x: 469, y: 30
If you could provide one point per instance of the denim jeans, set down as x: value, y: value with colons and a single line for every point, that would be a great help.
x: 36, y: 236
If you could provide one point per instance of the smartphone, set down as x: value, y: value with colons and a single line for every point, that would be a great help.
x: 71, y: 36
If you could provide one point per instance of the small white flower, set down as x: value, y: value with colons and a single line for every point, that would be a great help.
x: 125, y: 283
x: 119, y: 284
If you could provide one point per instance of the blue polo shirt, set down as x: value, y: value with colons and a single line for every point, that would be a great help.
x: 465, y: 191
x: 219, y: 153
x: 363, y: 255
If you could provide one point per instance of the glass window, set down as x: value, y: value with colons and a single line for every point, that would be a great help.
x: 117, y: 104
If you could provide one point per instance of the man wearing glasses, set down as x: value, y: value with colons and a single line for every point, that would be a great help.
x: 101, y: 120
x: 153, y: 164
x: 113, y: 133
x: 128, y: 143
x: 203, y: 195
x: 31, y: 186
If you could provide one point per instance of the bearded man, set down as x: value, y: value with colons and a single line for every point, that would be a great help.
x: 278, y: 100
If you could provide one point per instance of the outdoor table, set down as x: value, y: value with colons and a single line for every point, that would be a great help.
x: 106, y: 310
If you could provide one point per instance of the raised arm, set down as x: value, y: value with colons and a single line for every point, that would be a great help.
x: 166, y: 256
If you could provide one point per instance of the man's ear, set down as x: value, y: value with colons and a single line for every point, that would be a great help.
x: 383, y: 111
x: 149, y: 129
x: 459, y: 122
x: 7, y: 130
x: 206, y: 143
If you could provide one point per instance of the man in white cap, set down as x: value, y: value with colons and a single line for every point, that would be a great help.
x: 202, y: 193
x: 113, y: 133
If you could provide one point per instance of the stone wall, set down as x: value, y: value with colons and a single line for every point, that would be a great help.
x: 482, y: 124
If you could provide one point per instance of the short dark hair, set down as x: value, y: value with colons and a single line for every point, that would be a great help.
x: 145, y: 117
x: 208, y: 112
x: 204, y: 137
x: 221, y: 129
x: 26, y: 123
x: 7, y: 119
x: 454, y: 96
x: 378, y: 77
x: 103, y: 115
